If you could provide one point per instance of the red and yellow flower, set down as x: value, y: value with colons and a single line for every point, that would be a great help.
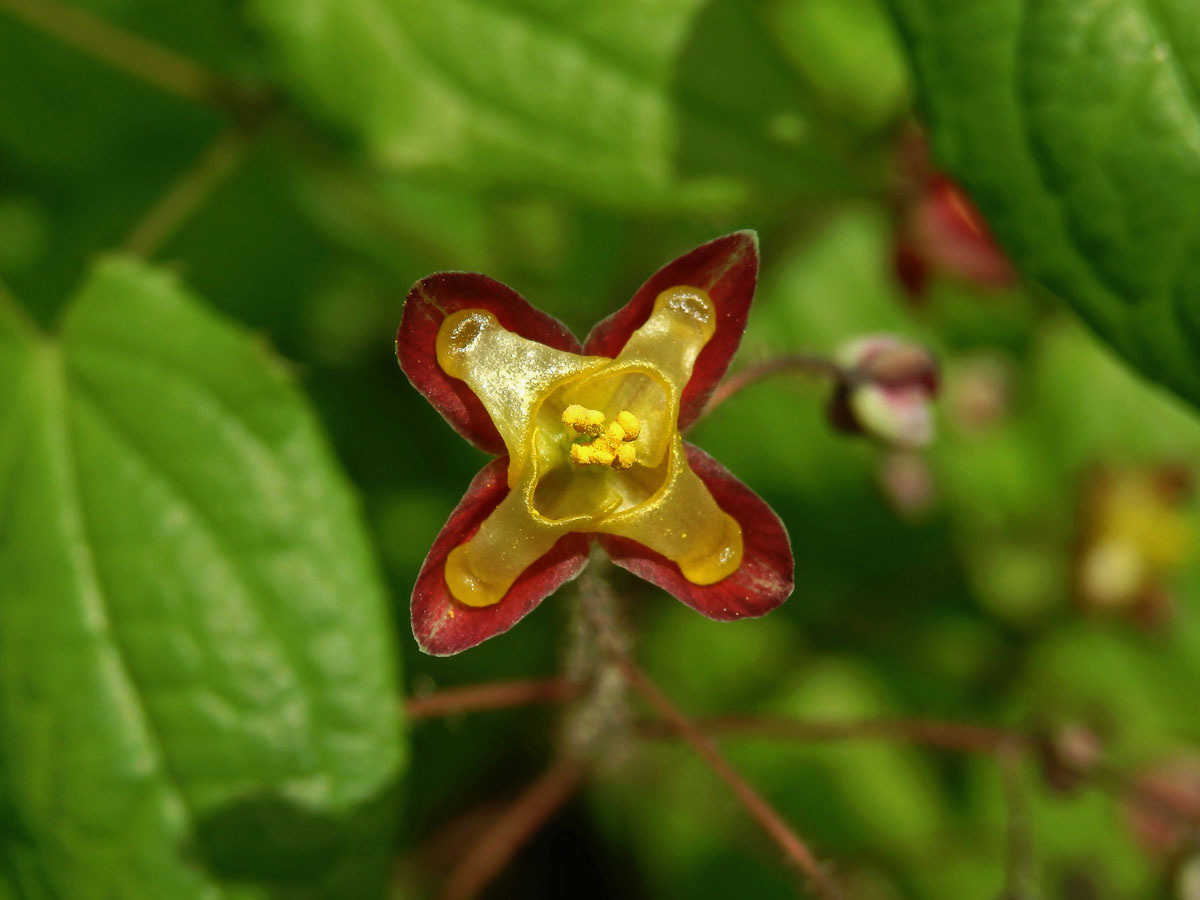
x: 589, y: 447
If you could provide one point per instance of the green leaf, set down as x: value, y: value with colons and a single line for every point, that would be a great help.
x: 1075, y: 125
x: 198, y: 695
x: 671, y: 104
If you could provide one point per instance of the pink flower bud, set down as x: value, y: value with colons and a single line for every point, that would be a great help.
x: 886, y: 391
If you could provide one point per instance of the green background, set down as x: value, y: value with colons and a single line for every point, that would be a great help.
x: 216, y: 486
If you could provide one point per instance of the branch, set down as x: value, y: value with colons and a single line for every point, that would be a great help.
x: 508, y: 834
x: 598, y: 608
x: 946, y: 735
x: 483, y: 697
x: 797, y: 363
x: 102, y: 40
x: 181, y: 200
x: 1006, y: 743
x: 762, y: 812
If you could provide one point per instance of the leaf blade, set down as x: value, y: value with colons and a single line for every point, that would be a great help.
x: 1075, y: 127
x: 180, y: 530
x: 655, y: 105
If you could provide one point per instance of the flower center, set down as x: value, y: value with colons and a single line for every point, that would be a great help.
x: 610, y: 445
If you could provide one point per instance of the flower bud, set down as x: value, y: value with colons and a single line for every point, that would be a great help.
x: 1069, y: 755
x: 939, y: 230
x: 886, y: 391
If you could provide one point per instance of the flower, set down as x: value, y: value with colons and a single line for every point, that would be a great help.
x: 1135, y: 534
x: 589, y: 447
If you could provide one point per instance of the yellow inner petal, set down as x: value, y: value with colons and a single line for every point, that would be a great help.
x: 480, y: 571
x: 510, y: 375
x: 683, y: 321
x: 683, y: 523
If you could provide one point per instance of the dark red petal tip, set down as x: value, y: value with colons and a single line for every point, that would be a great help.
x: 727, y: 269
x: 428, y: 303
x: 766, y: 576
x: 442, y: 625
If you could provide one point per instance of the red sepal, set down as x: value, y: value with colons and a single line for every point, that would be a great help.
x: 442, y: 625
x: 766, y: 576
x: 727, y: 269
x: 428, y: 303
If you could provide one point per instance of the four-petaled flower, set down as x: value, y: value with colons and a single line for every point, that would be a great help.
x: 589, y: 447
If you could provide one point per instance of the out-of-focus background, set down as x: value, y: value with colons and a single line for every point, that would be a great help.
x: 298, y: 164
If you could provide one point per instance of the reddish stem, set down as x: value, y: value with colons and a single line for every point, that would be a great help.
x: 508, y: 834
x: 492, y: 695
x: 766, y: 816
x: 946, y: 735
x: 800, y: 363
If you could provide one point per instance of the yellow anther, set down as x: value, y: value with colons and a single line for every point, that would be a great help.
x: 610, y: 445
x: 596, y: 454
x: 583, y: 420
x: 630, y: 424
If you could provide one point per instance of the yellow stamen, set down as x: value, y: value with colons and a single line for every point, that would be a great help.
x: 595, y: 454
x: 583, y: 420
x: 611, y: 445
x: 629, y: 422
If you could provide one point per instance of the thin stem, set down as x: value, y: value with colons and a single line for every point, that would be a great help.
x: 136, y: 56
x: 500, y: 843
x: 1007, y: 743
x: 493, y: 695
x: 1019, y: 860
x: 598, y: 606
x: 946, y: 735
x: 753, y: 802
x: 189, y: 192
x: 796, y: 363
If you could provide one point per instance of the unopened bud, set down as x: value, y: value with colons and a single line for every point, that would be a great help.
x: 939, y: 230
x: 1069, y: 756
x: 886, y: 391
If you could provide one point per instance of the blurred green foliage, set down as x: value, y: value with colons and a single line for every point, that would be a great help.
x: 569, y: 148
